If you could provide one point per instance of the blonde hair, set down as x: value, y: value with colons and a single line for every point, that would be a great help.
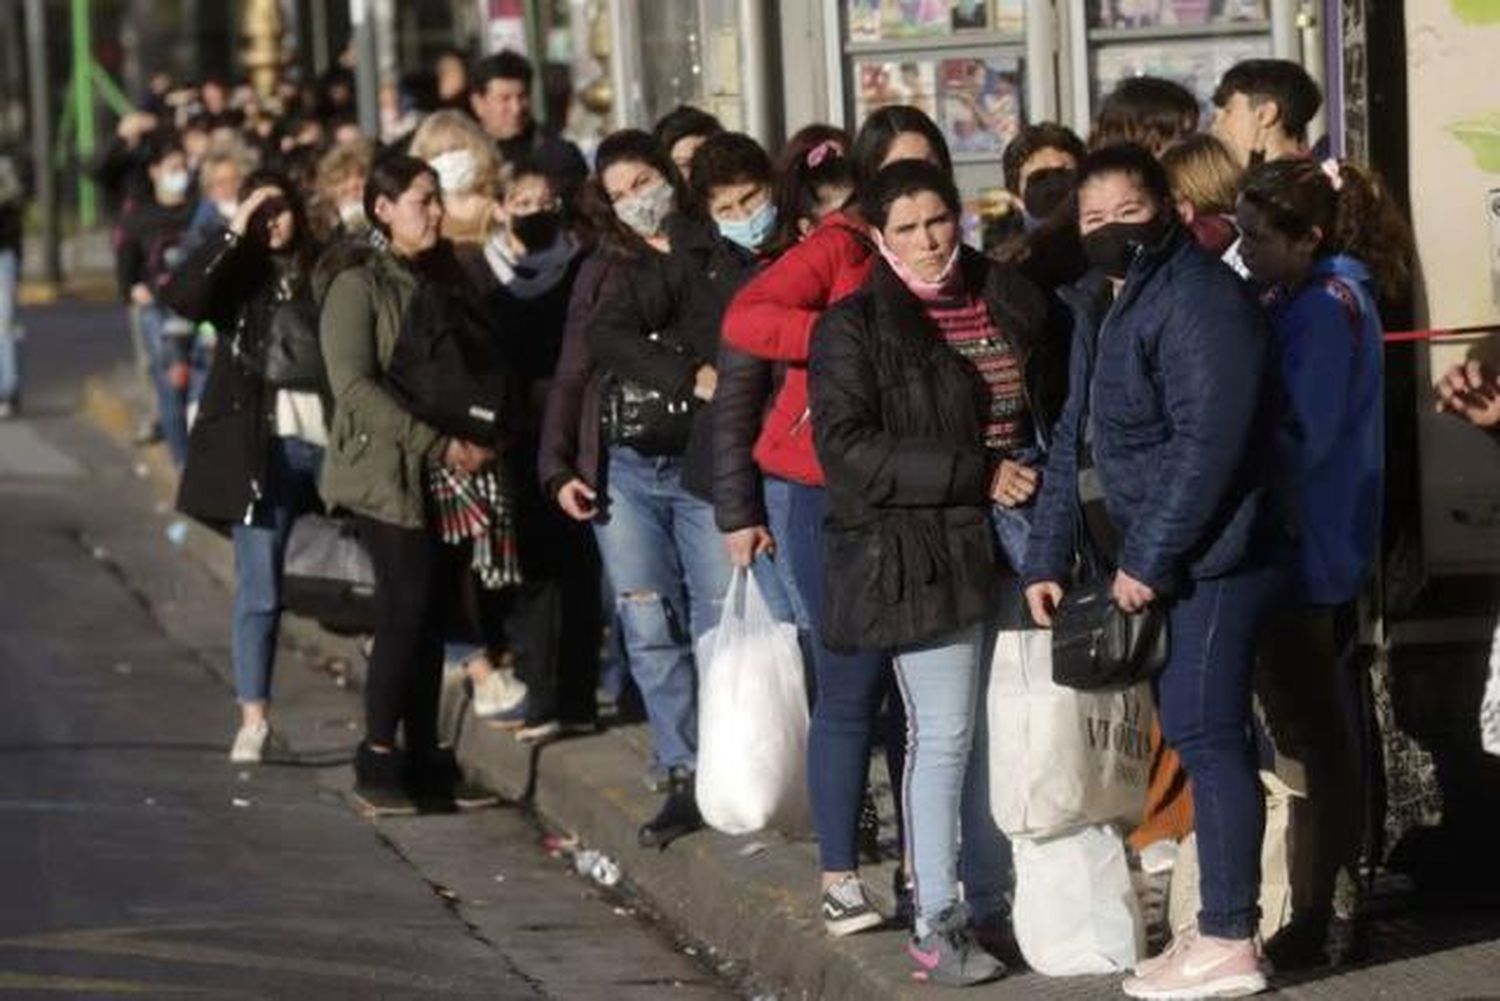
x: 1203, y: 173
x: 445, y: 131
x: 343, y: 162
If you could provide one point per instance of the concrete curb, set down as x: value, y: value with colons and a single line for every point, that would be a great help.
x: 752, y: 899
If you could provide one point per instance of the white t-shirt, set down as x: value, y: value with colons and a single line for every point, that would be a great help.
x: 300, y: 415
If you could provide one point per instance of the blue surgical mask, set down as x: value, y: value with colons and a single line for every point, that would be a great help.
x: 751, y: 233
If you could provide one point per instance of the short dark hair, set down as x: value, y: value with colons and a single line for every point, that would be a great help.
x: 1030, y: 141
x: 390, y: 176
x: 160, y: 145
x: 879, y: 132
x: 903, y: 178
x: 1134, y: 161
x: 507, y: 64
x: 684, y: 121
x: 1148, y: 111
x: 728, y: 158
x: 1296, y: 94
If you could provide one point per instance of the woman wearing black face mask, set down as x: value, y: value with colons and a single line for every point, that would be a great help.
x: 1040, y: 235
x: 1155, y: 457
x: 525, y: 269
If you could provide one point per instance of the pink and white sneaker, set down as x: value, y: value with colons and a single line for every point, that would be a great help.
x: 1200, y: 967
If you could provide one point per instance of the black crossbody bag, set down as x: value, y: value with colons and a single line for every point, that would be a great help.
x: 647, y: 420
x: 1095, y: 645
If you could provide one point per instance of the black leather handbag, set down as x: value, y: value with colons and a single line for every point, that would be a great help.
x: 647, y: 420
x: 294, y: 358
x: 1098, y: 647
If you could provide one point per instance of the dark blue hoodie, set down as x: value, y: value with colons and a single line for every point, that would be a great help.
x: 1332, y: 443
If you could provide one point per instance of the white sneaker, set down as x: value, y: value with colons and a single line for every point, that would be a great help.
x: 250, y: 743
x: 497, y: 693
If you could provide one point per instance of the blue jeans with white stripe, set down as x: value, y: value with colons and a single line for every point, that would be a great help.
x: 946, y: 782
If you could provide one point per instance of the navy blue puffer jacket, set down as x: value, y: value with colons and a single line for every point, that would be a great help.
x: 1181, y: 430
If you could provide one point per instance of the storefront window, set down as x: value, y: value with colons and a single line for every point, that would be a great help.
x: 1135, y: 14
x: 690, y: 54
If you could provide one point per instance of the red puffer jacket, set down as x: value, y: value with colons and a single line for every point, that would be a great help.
x: 773, y: 318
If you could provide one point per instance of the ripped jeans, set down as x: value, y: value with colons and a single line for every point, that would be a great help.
x: 667, y: 563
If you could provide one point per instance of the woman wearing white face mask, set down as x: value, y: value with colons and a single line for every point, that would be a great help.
x: 152, y: 235
x: 654, y: 337
x: 468, y: 172
x: 338, y: 205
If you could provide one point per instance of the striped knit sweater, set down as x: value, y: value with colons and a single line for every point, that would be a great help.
x: 966, y: 325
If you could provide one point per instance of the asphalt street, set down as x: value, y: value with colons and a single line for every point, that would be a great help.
x: 136, y: 861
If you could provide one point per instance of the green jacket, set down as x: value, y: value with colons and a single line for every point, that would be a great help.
x: 376, y: 450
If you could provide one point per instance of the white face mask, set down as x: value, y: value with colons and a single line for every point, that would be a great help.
x: 645, y: 212
x: 456, y: 170
x: 174, y: 184
x: 227, y: 208
x: 352, y: 215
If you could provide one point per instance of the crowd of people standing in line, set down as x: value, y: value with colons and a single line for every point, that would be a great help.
x: 564, y: 402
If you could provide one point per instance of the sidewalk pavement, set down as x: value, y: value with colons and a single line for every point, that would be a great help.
x: 753, y: 899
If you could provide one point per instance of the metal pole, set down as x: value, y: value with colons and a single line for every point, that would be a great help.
x: 320, y: 37
x: 366, y: 66
x: 41, y: 138
x: 83, y: 109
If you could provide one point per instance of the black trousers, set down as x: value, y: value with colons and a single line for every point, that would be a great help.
x: 414, y: 598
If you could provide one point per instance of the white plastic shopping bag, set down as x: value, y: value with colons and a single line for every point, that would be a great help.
x: 1061, y: 758
x: 752, y: 718
x: 1489, y: 706
x: 1076, y: 911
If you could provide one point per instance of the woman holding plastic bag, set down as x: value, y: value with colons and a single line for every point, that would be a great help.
x: 1157, y: 446
x: 904, y: 410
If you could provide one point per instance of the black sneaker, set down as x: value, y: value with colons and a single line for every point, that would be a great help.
x: 380, y: 789
x: 847, y: 909
x: 997, y: 936
x: 678, y: 814
x: 949, y: 956
x: 438, y: 784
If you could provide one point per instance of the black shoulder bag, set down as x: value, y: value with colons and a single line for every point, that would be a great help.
x: 447, y: 367
x: 647, y: 420
x: 1095, y: 645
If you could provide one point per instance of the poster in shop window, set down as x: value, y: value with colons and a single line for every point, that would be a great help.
x: 1455, y: 201
x: 877, y: 20
x: 1196, y: 63
x: 1173, y: 13
x: 881, y: 82
x: 979, y: 103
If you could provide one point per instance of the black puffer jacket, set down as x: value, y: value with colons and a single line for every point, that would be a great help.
x: 682, y: 296
x: 236, y: 286
x: 898, y: 420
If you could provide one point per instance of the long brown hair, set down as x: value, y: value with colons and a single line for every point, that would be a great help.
x: 1347, y: 203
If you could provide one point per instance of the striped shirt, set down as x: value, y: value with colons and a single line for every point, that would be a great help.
x: 967, y: 327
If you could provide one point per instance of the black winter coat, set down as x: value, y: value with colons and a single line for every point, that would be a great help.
x: 235, y: 286
x: 898, y: 419
x: 682, y: 295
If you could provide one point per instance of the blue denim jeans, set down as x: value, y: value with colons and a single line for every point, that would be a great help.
x: 170, y: 339
x: 1203, y: 698
x: 10, y: 364
x: 669, y: 569
x: 946, y: 753
x: 850, y: 691
x: 787, y: 604
x: 259, y: 550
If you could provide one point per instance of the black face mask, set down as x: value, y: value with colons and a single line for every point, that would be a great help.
x: 1048, y: 190
x: 1114, y: 246
x: 537, y: 231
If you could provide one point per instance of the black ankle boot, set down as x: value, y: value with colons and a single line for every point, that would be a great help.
x: 380, y: 785
x: 678, y: 814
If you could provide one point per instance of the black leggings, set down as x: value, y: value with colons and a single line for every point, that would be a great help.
x: 413, y: 600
